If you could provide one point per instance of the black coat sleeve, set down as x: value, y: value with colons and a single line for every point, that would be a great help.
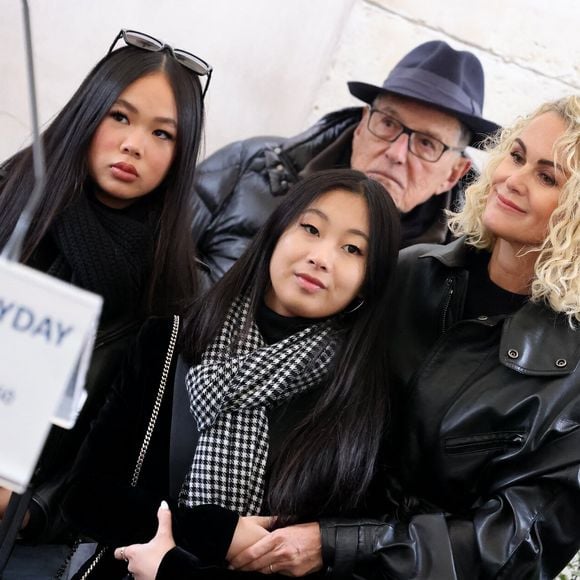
x: 525, y: 527
x: 101, y: 502
x: 178, y: 563
x: 220, y: 240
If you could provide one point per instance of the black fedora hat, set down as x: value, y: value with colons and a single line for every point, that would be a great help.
x: 437, y: 75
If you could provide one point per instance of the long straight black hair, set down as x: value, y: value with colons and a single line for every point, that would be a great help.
x: 328, y: 462
x: 66, y: 142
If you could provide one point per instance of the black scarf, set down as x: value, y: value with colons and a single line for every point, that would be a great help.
x: 106, y: 251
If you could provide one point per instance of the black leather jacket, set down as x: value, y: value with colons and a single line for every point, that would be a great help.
x: 238, y: 187
x: 489, y: 431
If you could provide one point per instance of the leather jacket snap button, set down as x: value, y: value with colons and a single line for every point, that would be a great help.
x: 513, y: 353
x: 278, y: 150
x: 561, y: 363
x: 279, y: 167
x: 482, y: 317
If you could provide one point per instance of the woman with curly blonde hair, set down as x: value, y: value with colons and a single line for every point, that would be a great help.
x: 484, y: 353
x: 556, y: 259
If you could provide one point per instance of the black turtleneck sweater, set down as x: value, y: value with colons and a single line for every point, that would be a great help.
x: 484, y: 298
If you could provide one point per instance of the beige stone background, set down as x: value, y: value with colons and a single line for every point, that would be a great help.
x: 279, y: 64
x: 530, y: 49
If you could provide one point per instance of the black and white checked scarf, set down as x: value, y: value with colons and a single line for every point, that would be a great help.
x: 230, y: 391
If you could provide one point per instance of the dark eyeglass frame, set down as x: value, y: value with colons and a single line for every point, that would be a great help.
x: 410, y: 132
x: 192, y: 62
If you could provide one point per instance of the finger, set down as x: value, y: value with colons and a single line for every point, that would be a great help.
x: 271, y: 560
x: 123, y: 553
x: 267, y: 570
x: 263, y: 564
x: 273, y: 569
x: 164, y: 519
x: 250, y: 555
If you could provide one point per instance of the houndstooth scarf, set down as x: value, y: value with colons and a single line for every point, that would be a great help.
x: 230, y: 391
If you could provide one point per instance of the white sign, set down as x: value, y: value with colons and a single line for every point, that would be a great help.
x: 46, y: 338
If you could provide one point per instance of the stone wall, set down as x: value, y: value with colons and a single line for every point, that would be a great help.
x: 280, y: 64
x: 530, y: 49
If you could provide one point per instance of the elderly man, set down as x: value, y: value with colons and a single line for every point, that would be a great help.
x: 411, y: 138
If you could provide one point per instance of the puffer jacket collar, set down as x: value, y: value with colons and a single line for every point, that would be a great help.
x: 286, y: 159
x: 535, y: 339
x: 307, y: 145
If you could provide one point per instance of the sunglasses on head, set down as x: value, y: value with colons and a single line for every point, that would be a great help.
x: 141, y: 40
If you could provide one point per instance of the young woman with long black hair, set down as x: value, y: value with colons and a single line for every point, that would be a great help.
x: 285, y: 378
x: 116, y: 213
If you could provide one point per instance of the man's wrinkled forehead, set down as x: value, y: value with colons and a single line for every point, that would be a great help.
x: 419, y: 116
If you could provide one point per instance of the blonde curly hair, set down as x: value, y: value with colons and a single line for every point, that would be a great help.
x: 557, y: 268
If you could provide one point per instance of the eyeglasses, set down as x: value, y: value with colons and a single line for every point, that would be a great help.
x: 141, y: 40
x: 419, y: 144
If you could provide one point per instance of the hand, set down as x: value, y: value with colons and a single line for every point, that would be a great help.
x: 292, y: 551
x: 144, y: 559
x: 249, y: 530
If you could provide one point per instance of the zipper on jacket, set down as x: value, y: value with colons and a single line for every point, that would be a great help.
x: 485, y: 442
x: 450, y: 282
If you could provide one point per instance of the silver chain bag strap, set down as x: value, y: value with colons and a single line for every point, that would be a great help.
x: 96, y: 558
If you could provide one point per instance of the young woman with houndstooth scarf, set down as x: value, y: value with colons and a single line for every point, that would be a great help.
x: 283, y: 373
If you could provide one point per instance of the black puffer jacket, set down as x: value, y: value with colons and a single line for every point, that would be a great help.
x: 240, y: 185
x: 489, y: 431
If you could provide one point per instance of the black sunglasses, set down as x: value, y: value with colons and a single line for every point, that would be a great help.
x: 141, y: 40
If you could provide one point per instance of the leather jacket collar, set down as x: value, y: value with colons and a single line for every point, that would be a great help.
x: 535, y: 339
